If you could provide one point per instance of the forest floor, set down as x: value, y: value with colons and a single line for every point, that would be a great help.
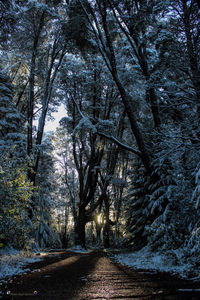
x: 93, y: 276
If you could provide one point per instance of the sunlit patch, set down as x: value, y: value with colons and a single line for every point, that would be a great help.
x: 100, y: 219
x: 44, y: 253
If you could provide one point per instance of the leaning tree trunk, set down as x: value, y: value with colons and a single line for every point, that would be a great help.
x: 126, y: 98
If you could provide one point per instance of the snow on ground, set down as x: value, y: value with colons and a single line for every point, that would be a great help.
x: 172, y: 262
x: 13, y: 262
x: 78, y: 249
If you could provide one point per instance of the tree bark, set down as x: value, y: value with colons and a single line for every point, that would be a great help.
x: 80, y: 228
x: 106, y: 229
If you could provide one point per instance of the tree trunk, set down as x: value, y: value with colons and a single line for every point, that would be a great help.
x: 106, y: 229
x: 140, y: 52
x: 65, y: 238
x: 31, y: 88
x: 127, y: 101
x: 31, y: 173
x: 192, y: 50
x: 98, y: 233
x: 80, y: 228
x: 126, y: 98
x: 45, y: 103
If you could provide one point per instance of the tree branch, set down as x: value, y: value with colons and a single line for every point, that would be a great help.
x: 119, y: 143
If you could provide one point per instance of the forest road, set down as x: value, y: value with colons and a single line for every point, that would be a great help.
x: 93, y: 276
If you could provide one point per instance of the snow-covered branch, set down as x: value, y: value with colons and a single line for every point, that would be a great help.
x: 78, y: 108
x: 119, y: 143
x: 85, y: 121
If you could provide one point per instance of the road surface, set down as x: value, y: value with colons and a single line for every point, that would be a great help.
x: 93, y: 276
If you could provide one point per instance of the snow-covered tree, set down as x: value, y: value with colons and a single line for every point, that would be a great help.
x: 46, y: 197
x: 15, y: 189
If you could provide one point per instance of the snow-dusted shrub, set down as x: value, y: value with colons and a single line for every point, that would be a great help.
x: 193, y: 242
x: 13, y: 262
x: 196, y: 193
x: 15, y: 193
x: 15, y: 189
x: 46, y: 236
x: 136, y: 209
x: 170, y: 208
x: 159, y: 209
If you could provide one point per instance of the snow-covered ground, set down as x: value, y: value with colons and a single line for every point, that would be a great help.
x: 13, y: 262
x: 78, y: 249
x: 172, y: 262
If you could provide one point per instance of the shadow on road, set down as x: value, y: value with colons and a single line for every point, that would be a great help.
x: 93, y: 276
x: 56, y: 280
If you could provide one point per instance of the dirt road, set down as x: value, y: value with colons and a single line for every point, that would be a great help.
x: 93, y: 276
